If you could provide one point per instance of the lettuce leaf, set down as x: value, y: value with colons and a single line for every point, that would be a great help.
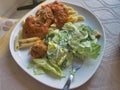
x: 73, y: 40
x: 43, y: 63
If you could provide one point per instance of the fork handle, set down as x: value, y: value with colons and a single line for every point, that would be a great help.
x: 67, y: 84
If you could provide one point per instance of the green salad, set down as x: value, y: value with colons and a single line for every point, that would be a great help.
x: 73, y: 40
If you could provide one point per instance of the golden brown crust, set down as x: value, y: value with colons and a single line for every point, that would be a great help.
x: 32, y: 28
x: 37, y: 26
x: 39, y: 49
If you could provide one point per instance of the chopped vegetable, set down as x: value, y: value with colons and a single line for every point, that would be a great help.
x: 73, y: 40
x: 49, y: 67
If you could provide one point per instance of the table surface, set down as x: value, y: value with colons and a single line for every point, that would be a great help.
x: 107, y: 77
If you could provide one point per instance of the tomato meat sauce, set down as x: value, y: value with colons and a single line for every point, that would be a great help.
x: 38, y: 25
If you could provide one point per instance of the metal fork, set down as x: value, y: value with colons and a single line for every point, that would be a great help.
x: 75, y: 67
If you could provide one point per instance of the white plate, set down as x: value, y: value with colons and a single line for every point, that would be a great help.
x: 89, y: 67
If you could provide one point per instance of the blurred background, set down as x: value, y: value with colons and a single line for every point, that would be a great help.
x: 8, y: 8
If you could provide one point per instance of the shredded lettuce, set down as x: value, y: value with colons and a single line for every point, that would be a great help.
x: 76, y: 38
x: 73, y: 40
x: 51, y: 67
x: 56, y: 54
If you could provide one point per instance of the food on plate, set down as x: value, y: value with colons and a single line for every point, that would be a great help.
x: 16, y: 47
x: 50, y: 15
x: 57, y: 13
x: 55, y: 39
x: 97, y: 34
x: 73, y: 40
x: 38, y: 25
x: 39, y: 49
x: 21, y: 43
x: 32, y: 28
